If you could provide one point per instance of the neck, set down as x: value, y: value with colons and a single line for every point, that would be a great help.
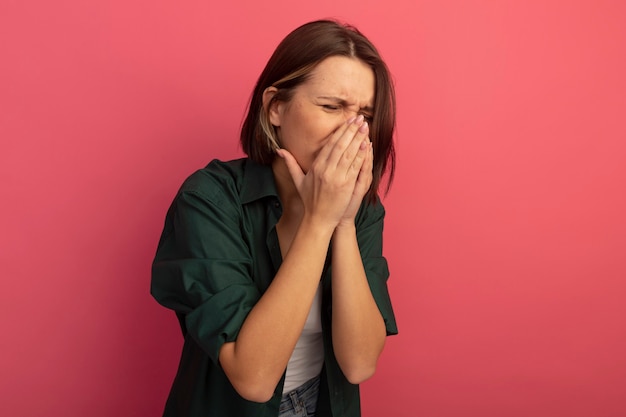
x: 287, y: 191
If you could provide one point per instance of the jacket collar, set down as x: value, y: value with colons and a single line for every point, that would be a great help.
x: 258, y: 182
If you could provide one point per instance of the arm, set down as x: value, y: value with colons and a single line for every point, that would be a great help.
x: 255, y: 362
x: 358, y: 327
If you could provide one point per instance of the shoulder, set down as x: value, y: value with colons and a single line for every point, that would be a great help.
x: 218, y: 181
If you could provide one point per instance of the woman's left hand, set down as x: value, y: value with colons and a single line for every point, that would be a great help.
x: 363, y: 182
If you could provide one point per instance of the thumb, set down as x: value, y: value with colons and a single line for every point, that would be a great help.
x: 292, y: 166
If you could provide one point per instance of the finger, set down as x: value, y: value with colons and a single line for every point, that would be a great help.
x: 364, y: 179
x: 340, y: 139
x: 354, y: 155
x: 297, y: 175
x: 344, y: 142
x: 368, y: 166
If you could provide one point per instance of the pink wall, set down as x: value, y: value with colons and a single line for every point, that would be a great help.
x: 506, y: 231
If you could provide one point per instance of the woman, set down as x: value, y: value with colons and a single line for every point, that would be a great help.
x: 273, y: 263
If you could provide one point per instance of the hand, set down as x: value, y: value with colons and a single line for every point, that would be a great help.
x: 337, y: 178
x: 363, y: 183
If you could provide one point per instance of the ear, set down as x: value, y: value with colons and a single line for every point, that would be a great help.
x: 272, y: 107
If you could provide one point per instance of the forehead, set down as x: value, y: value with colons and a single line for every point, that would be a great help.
x: 346, y: 78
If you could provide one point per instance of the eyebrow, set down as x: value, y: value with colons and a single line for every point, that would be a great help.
x: 343, y: 102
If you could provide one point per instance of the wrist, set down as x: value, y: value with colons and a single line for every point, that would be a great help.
x: 318, y: 228
x: 345, y: 228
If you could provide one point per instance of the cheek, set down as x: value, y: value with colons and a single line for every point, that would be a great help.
x: 328, y: 125
x: 314, y: 134
x: 308, y: 131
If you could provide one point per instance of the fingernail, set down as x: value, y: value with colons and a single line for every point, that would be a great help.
x: 350, y: 120
x: 359, y: 119
x: 364, y: 145
x: 363, y: 127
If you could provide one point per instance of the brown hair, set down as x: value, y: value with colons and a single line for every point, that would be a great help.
x: 291, y: 65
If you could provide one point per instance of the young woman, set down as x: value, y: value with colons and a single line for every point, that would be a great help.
x: 273, y: 263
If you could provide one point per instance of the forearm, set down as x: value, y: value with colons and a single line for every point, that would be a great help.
x: 358, y: 327
x: 255, y: 362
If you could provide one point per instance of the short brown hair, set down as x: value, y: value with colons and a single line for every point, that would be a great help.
x: 291, y: 65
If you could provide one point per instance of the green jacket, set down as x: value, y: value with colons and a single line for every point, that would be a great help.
x: 217, y: 255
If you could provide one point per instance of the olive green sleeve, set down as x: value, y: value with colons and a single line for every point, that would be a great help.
x: 202, y: 268
x: 369, y: 223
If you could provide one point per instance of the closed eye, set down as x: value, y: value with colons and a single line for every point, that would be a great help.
x: 330, y: 107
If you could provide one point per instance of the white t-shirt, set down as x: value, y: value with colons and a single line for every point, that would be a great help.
x: 308, y: 356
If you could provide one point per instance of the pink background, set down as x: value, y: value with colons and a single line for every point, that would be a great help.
x: 506, y: 230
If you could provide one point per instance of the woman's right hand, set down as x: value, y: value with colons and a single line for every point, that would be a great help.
x: 327, y: 189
